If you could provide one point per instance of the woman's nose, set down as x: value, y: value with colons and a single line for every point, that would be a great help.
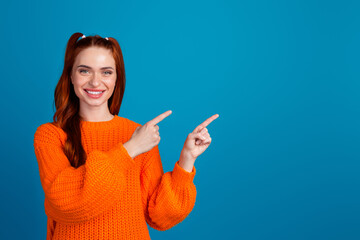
x: 95, y: 81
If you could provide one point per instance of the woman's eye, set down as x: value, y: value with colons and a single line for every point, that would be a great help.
x: 109, y: 72
x: 82, y: 70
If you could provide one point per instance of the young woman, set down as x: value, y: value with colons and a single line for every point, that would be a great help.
x: 101, y: 173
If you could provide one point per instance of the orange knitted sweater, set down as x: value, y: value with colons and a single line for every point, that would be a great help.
x: 111, y: 196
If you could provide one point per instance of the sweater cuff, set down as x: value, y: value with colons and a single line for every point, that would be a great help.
x: 181, y: 176
x: 120, y: 156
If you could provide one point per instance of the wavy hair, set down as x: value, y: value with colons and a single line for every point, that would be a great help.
x: 67, y: 103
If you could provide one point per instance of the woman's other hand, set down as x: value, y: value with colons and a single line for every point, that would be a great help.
x: 196, y: 143
x: 146, y: 136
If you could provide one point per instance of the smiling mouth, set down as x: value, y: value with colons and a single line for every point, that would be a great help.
x: 94, y: 92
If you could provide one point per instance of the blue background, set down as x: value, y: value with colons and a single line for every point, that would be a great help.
x: 282, y: 75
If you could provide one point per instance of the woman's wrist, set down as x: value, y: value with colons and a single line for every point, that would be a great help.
x: 130, y: 149
x: 186, y: 161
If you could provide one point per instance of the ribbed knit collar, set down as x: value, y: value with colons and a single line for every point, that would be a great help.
x: 100, y: 125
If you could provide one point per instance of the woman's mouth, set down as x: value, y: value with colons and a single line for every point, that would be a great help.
x: 94, y: 94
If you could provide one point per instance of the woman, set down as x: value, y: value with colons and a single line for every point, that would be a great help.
x: 102, y: 173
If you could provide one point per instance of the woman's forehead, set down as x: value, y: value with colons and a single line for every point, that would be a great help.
x: 95, y: 57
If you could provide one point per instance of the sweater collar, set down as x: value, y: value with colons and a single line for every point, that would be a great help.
x: 101, y: 124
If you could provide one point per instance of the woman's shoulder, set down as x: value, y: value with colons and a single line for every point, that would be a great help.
x: 49, y: 133
x: 128, y: 126
x: 129, y: 123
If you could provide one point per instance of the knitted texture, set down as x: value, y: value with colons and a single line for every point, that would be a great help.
x: 111, y: 196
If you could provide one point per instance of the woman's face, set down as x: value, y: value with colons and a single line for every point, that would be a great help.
x: 94, y: 69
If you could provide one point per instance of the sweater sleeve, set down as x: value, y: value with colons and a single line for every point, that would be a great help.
x: 75, y: 195
x: 167, y: 198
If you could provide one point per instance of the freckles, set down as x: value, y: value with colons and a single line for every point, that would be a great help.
x: 112, y: 82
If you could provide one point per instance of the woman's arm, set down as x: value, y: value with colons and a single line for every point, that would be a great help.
x: 74, y: 195
x: 167, y: 198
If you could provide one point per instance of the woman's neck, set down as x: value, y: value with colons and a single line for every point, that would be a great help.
x: 96, y: 116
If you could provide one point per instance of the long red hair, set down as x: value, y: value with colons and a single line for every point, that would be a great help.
x: 67, y: 103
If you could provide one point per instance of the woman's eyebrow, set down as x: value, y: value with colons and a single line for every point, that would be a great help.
x: 90, y: 67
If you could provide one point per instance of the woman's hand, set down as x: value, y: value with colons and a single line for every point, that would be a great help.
x: 196, y: 143
x: 145, y: 137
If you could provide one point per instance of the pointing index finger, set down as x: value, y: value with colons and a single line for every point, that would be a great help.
x: 159, y: 118
x: 205, y: 123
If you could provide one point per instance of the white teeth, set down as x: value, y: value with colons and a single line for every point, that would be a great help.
x: 93, y: 92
